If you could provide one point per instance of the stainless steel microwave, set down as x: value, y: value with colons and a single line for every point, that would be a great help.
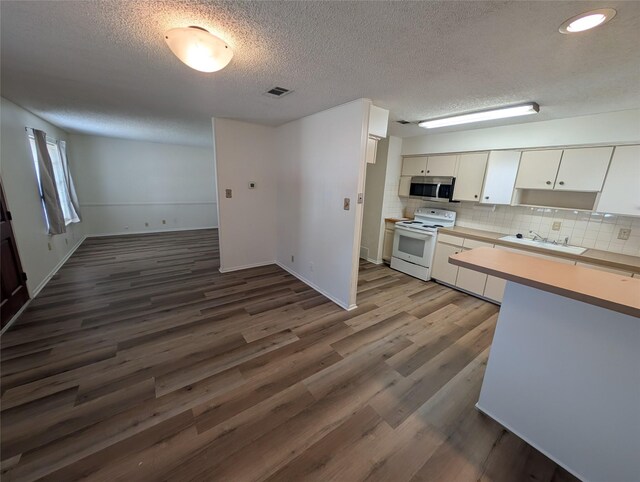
x: 432, y: 188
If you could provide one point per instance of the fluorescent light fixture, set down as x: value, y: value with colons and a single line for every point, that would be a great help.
x: 501, y: 113
x: 198, y: 48
x: 587, y: 20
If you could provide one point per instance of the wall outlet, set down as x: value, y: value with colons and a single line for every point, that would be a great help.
x: 292, y: 258
x: 146, y: 225
x: 164, y: 221
x: 49, y: 246
x: 66, y: 241
x: 311, y: 266
x: 347, y: 204
x: 126, y: 227
x: 556, y: 226
x: 624, y: 233
x: 227, y: 193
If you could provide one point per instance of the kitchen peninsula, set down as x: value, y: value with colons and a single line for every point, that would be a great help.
x: 564, y: 368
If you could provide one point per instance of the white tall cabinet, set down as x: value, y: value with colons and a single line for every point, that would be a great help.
x: 500, y: 178
x: 621, y: 190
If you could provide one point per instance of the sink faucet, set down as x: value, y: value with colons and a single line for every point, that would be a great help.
x: 536, y: 237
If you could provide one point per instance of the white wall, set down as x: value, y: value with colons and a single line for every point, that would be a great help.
x: 303, y: 170
x: 40, y: 253
x: 123, y: 184
x: 393, y: 205
x: 321, y: 161
x: 244, y: 152
x: 620, y: 127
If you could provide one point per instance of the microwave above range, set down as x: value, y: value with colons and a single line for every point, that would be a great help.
x: 432, y: 188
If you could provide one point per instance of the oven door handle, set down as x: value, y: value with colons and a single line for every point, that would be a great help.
x: 438, y: 190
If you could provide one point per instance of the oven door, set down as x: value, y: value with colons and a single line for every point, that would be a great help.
x: 413, y: 247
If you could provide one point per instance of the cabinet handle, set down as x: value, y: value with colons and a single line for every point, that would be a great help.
x: 422, y: 171
x: 486, y: 197
x: 428, y: 171
x: 548, y: 182
x: 561, y: 183
x: 475, y: 196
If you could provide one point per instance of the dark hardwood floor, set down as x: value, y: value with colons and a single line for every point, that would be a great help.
x: 141, y: 361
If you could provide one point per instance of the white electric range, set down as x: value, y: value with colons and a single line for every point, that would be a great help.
x: 414, y: 241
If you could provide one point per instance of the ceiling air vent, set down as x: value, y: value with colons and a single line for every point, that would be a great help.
x: 403, y: 122
x: 277, y: 92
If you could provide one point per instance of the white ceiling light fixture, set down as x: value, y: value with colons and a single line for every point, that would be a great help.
x: 198, y: 48
x: 501, y: 113
x: 587, y: 20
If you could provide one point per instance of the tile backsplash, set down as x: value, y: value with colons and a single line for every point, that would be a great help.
x: 586, y: 229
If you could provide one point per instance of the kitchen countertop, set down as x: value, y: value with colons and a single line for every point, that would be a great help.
x: 607, y: 290
x: 594, y: 256
x: 395, y: 220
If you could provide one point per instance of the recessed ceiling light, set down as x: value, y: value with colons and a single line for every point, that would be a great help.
x: 587, y: 20
x: 198, y: 48
x: 501, y: 113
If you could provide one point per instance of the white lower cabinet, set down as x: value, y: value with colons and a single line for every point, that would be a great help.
x: 480, y: 284
x: 442, y: 270
x: 387, y: 244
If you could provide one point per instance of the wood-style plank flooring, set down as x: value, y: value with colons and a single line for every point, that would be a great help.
x: 141, y: 361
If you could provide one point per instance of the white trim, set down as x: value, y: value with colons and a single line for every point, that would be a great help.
x: 152, y: 203
x: 42, y: 284
x: 245, y: 266
x: 534, y: 445
x: 374, y: 261
x: 316, y: 288
x: 150, y: 231
x: 15, y: 317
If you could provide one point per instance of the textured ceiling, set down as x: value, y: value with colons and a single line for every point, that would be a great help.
x: 102, y: 66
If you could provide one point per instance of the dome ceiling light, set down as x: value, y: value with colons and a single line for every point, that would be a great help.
x: 587, y: 20
x: 198, y: 48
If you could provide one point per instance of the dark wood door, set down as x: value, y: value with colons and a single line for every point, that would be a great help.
x: 13, y: 282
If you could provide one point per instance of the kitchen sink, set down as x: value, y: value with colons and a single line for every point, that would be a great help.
x: 544, y: 245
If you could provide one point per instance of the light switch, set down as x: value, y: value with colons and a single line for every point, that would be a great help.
x: 227, y: 193
x: 347, y: 204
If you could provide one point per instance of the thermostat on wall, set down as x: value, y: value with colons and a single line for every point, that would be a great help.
x: 252, y: 184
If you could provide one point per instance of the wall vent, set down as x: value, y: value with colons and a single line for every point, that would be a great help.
x: 277, y: 92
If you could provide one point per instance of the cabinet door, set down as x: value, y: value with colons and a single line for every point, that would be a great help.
x: 620, y: 193
x: 405, y: 186
x: 494, y: 288
x: 444, y: 166
x: 471, y: 168
x: 470, y: 280
x: 442, y: 270
x: 538, y: 169
x: 414, y: 166
x: 387, y: 245
x: 500, y: 178
x: 583, y: 169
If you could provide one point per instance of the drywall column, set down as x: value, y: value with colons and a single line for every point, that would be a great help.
x: 244, y: 153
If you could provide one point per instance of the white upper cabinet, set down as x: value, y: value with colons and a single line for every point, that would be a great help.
x: 442, y: 166
x: 414, y: 166
x: 538, y: 169
x: 621, y: 191
x: 500, y: 179
x: 470, y: 175
x: 378, y: 122
x: 583, y: 169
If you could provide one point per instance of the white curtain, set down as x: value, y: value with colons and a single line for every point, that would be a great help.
x: 74, y: 205
x: 50, y: 197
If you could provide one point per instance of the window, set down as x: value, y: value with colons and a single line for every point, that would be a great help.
x: 59, y: 173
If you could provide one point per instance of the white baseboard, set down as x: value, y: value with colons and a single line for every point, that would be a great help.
x: 245, y: 266
x: 38, y: 288
x: 15, y: 317
x: 317, y: 288
x: 150, y: 231
x: 374, y: 261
